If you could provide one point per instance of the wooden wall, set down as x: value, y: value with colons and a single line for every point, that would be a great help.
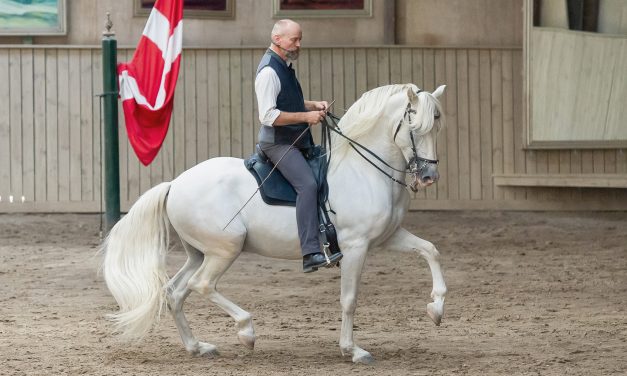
x: 50, y: 125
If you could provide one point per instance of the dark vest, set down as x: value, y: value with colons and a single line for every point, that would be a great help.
x: 290, y: 99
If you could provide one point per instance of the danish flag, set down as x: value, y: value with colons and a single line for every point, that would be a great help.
x: 147, y: 82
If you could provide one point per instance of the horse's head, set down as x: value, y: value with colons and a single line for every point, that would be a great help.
x: 416, y: 134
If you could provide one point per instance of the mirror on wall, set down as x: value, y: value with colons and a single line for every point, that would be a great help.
x: 576, y: 76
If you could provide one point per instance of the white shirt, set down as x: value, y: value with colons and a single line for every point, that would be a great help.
x: 267, y: 89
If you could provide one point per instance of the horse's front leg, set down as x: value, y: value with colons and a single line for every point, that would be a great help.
x: 352, y: 265
x: 404, y: 241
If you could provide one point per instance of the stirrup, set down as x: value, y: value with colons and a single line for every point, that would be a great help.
x: 327, y: 252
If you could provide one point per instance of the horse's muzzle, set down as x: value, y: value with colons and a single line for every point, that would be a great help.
x: 424, y: 178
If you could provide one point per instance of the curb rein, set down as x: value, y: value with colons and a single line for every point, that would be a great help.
x: 415, y: 165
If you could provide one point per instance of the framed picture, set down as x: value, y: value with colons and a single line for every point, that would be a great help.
x: 321, y: 8
x: 33, y: 17
x: 220, y: 9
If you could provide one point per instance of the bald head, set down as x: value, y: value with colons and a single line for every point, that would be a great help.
x: 286, y: 36
x: 281, y: 27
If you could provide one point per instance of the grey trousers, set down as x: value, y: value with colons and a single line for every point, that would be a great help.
x: 295, y: 169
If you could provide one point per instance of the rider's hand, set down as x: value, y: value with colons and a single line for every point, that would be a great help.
x: 314, y: 117
x: 322, y: 105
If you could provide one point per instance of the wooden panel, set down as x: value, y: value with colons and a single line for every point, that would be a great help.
x: 517, y: 96
x: 225, y: 102
x: 315, y: 74
x: 63, y: 113
x: 507, y: 82
x: 383, y: 67
x: 326, y: 76
x: 440, y: 191
x: 96, y: 61
x: 248, y: 97
x: 496, y: 94
x: 302, y: 71
x: 188, y: 92
x: 202, y: 113
x: 395, y: 66
x: 75, y: 127
x: 236, y: 103
x: 5, y: 128
x: 86, y: 127
x: 15, y: 113
x: 28, y: 132
x: 372, y: 76
x: 337, y: 73
x: 452, y: 128
x: 463, y: 130
x: 214, y: 104
x: 485, y: 97
x: 361, y: 72
x: 474, y: 125
x: 39, y: 108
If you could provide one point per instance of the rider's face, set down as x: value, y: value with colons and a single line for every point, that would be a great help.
x: 290, y: 41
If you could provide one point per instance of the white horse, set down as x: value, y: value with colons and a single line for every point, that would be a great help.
x: 398, y: 122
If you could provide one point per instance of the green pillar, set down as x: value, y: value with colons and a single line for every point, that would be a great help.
x: 110, y: 109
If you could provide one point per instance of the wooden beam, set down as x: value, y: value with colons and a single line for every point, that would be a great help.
x: 563, y: 180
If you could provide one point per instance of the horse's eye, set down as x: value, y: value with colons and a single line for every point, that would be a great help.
x: 437, y: 115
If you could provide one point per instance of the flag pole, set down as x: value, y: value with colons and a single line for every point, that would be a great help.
x: 111, y: 147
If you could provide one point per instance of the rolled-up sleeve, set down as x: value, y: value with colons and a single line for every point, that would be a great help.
x: 267, y: 88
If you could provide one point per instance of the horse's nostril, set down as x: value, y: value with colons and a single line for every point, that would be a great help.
x: 426, y: 178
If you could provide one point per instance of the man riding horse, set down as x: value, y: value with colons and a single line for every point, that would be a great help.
x: 285, y: 118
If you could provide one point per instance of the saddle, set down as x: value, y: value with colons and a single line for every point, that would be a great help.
x: 276, y: 190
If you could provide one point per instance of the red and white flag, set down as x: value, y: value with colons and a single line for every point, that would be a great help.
x: 147, y: 82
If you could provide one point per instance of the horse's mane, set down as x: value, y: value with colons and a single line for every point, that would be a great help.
x: 366, y: 113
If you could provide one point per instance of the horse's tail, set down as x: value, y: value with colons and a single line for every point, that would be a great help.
x: 134, y: 263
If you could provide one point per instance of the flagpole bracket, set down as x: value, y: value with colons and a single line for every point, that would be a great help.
x: 108, y: 33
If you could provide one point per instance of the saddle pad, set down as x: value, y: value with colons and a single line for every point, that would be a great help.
x: 276, y: 190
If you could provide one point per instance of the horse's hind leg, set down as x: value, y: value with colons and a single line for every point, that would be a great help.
x: 404, y: 241
x: 177, y: 292
x: 205, y: 282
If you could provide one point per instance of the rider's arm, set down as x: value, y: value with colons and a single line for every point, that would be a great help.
x: 267, y: 88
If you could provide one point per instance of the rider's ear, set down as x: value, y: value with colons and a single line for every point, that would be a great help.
x: 439, y: 91
x: 411, y: 94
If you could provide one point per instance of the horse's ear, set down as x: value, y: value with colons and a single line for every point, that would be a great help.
x: 411, y: 94
x: 439, y: 91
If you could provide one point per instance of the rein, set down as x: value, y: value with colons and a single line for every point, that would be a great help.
x: 354, y: 144
x: 414, y: 166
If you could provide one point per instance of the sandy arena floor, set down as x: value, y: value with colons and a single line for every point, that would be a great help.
x: 529, y: 294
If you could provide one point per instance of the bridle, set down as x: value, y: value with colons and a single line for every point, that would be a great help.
x: 415, y: 165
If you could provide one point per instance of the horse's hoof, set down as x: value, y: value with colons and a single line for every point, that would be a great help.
x: 359, y: 355
x: 435, y: 313
x: 363, y: 357
x: 247, y: 340
x: 206, y: 349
